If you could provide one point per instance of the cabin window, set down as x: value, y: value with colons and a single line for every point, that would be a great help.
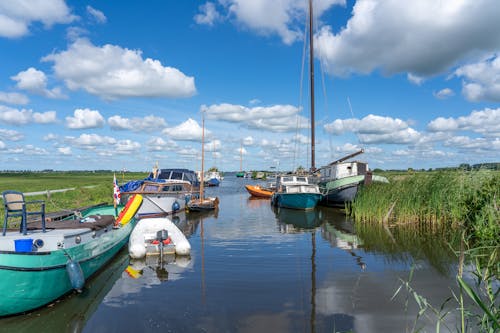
x: 177, y: 188
x: 301, y: 179
x: 176, y: 175
x: 165, y: 188
x: 151, y: 188
x: 287, y: 179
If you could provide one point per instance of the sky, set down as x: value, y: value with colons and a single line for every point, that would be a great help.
x: 123, y: 85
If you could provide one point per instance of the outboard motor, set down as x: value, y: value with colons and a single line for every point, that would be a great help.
x: 161, y: 235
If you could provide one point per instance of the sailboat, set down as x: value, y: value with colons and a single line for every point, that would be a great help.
x: 297, y: 191
x: 241, y: 174
x: 202, y: 203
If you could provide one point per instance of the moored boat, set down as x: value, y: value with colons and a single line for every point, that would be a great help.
x: 259, y: 191
x: 340, y: 180
x: 296, y: 192
x: 157, y: 236
x: 47, y: 260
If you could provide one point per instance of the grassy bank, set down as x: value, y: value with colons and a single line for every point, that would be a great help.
x: 90, y: 187
x: 462, y: 199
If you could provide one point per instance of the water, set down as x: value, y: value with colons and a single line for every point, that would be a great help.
x: 257, y: 269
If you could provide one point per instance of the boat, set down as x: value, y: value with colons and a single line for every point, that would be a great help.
x: 296, y: 192
x: 162, y: 198
x: 48, y: 259
x: 157, y: 236
x: 164, y: 191
x: 259, y: 191
x: 201, y: 203
x: 341, y: 179
x: 212, y: 177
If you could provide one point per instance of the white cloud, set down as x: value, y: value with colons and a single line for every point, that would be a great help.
x: 13, y: 98
x: 64, y: 150
x: 485, y: 122
x: 444, y: 93
x: 149, y: 123
x: 276, y: 118
x: 96, y: 14
x: 159, y: 144
x: 248, y: 141
x: 35, y: 81
x: 208, y: 14
x: 22, y: 117
x: 16, y: 16
x: 481, y: 80
x: 405, y: 36
x: 45, y: 118
x: 375, y: 129
x: 113, y: 72
x: 2, y: 145
x: 85, y: 118
x: 91, y: 141
x: 10, y: 135
x: 124, y: 146
x: 189, y: 130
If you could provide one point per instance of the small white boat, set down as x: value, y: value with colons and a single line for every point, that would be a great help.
x: 152, y: 236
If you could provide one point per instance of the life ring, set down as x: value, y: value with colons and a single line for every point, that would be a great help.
x: 130, y: 209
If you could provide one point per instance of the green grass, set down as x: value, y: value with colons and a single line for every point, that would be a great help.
x: 464, y: 199
x: 90, y: 188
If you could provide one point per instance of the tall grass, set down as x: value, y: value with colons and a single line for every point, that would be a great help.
x: 466, y: 199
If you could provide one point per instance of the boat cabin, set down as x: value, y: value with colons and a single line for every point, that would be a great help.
x: 342, y: 170
x: 295, y: 184
x: 176, y: 174
x: 168, y: 187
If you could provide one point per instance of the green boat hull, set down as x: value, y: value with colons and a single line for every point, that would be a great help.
x: 29, y: 280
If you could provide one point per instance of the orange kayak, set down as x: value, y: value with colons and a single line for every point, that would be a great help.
x: 258, y: 191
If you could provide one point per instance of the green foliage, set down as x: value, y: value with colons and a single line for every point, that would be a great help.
x: 468, y: 199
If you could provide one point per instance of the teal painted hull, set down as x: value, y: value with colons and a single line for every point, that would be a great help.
x: 296, y: 200
x: 30, y: 280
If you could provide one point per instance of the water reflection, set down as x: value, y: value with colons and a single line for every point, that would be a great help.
x: 290, y: 220
x: 71, y: 313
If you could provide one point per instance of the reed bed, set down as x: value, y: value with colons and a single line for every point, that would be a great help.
x: 465, y: 199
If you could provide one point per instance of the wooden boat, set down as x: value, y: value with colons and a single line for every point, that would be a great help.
x: 51, y: 259
x: 259, y: 191
x: 296, y: 192
x: 340, y: 180
x: 157, y: 236
x: 202, y: 203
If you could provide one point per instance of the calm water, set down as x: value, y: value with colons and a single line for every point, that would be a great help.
x: 257, y: 269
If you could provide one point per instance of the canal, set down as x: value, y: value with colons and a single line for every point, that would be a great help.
x: 258, y: 269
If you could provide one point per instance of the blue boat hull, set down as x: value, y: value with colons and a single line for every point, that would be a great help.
x: 296, y: 200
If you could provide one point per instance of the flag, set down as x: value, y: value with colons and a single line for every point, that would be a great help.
x: 116, y: 191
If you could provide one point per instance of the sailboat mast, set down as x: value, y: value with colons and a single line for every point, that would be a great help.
x: 202, y: 181
x: 311, y: 73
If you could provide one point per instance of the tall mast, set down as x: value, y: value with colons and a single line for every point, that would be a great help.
x: 311, y: 73
x: 202, y: 153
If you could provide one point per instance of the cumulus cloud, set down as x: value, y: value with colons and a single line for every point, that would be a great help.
x: 208, y: 14
x: 64, y: 150
x: 22, y: 117
x: 481, y: 80
x: 91, y: 141
x: 85, y: 118
x: 96, y: 14
x: 189, y: 130
x: 485, y: 122
x: 276, y: 118
x: 149, y: 123
x: 127, y: 146
x: 16, y: 16
x: 10, y: 135
x: 375, y: 129
x: 402, y: 36
x: 13, y: 98
x: 159, y: 144
x: 35, y: 81
x: 113, y: 72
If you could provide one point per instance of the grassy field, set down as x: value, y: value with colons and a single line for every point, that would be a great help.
x: 90, y: 187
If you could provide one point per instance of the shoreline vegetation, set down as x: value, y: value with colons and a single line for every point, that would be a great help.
x: 431, y: 203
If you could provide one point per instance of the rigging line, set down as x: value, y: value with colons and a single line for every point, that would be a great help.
x: 352, y: 114
x: 304, y: 48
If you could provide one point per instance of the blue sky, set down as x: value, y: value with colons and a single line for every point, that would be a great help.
x: 122, y: 85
